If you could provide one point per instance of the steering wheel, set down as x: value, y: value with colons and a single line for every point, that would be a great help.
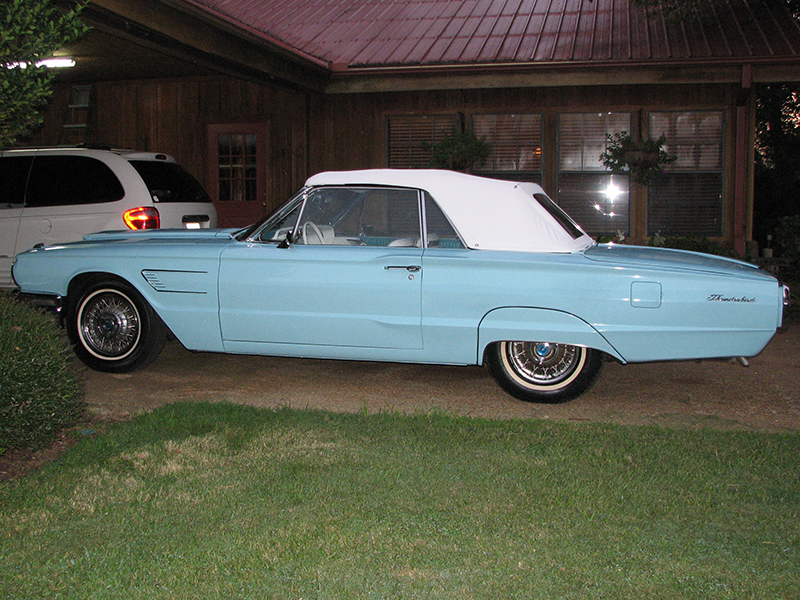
x: 315, y: 229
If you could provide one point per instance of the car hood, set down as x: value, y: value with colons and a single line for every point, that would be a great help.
x: 159, y: 235
x: 642, y: 256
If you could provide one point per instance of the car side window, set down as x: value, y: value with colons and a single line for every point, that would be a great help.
x: 281, y: 224
x: 360, y: 216
x: 441, y: 233
x: 13, y: 178
x: 390, y: 218
x: 70, y: 180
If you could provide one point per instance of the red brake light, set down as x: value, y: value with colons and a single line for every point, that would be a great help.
x: 144, y: 217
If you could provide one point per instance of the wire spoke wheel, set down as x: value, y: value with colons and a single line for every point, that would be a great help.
x: 543, y: 371
x: 544, y: 364
x: 109, y: 324
x: 112, y: 327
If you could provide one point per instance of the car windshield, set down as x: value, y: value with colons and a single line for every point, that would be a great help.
x: 271, y: 221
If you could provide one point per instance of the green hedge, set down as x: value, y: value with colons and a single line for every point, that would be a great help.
x: 787, y: 238
x: 40, y: 394
x: 693, y: 244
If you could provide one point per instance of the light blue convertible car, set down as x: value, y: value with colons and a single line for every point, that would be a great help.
x: 407, y: 266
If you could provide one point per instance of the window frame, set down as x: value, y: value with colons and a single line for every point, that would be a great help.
x: 503, y: 129
x: 408, y: 153
x: 299, y: 203
x: 234, y: 212
x: 593, y: 170
x: 697, y: 179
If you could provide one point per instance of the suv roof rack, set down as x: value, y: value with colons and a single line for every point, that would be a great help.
x: 99, y: 146
x: 83, y: 146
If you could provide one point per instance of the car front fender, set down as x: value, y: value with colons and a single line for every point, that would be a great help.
x: 539, y: 325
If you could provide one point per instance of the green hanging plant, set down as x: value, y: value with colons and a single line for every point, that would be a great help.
x: 459, y: 151
x: 643, y: 160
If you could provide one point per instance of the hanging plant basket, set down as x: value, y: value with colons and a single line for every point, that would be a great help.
x: 643, y: 160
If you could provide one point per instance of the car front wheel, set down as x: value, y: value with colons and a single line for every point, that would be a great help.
x: 542, y: 371
x: 113, y: 329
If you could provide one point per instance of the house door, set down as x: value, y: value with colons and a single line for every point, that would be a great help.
x: 236, y: 171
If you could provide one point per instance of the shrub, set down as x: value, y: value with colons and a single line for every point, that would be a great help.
x: 40, y: 394
x: 787, y: 238
x: 694, y: 244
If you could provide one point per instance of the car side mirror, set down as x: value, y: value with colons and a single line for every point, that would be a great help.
x: 287, y: 241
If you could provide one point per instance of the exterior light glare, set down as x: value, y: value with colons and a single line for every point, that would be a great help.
x: 61, y: 62
x: 612, y: 192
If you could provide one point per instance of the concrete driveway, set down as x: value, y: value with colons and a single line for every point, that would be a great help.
x: 764, y: 396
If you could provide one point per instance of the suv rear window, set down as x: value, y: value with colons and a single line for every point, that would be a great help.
x: 169, y: 182
x: 69, y: 180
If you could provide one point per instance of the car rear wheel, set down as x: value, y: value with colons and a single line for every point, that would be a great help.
x: 542, y: 371
x: 113, y: 329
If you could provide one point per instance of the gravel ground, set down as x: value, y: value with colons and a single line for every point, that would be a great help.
x: 715, y: 394
x: 720, y: 394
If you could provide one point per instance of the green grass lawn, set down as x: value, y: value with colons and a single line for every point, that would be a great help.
x: 220, y: 501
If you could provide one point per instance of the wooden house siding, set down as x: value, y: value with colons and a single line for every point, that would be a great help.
x: 350, y: 132
x: 171, y: 116
x: 312, y: 132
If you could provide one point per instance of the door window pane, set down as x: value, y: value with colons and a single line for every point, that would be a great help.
x: 237, y: 160
x: 361, y: 217
x: 439, y: 230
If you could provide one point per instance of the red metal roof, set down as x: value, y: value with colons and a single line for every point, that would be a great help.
x: 376, y: 33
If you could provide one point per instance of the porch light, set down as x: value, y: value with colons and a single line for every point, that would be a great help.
x: 613, y: 191
x: 58, y: 62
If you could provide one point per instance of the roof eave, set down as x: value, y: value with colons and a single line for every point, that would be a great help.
x: 385, y: 78
x: 187, y: 30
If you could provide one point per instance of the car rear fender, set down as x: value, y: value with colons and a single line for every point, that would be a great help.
x: 539, y: 325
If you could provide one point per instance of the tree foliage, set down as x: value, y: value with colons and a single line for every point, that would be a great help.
x: 30, y: 31
x: 777, y: 168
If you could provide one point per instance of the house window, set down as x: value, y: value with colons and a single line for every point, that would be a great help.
x: 77, y: 117
x: 687, y: 199
x: 593, y: 197
x: 237, y: 161
x: 408, y: 134
x: 236, y: 171
x: 516, y: 145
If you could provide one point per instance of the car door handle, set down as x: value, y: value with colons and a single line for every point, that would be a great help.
x: 409, y: 268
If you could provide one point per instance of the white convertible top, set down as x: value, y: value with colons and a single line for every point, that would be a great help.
x: 489, y: 214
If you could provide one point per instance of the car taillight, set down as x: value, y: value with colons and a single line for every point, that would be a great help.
x: 144, y: 217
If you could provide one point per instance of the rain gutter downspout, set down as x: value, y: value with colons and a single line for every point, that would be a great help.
x: 742, y: 192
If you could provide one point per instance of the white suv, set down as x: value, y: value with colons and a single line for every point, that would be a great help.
x: 55, y: 195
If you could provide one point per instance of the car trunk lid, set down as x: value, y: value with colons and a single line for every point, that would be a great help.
x: 670, y: 258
